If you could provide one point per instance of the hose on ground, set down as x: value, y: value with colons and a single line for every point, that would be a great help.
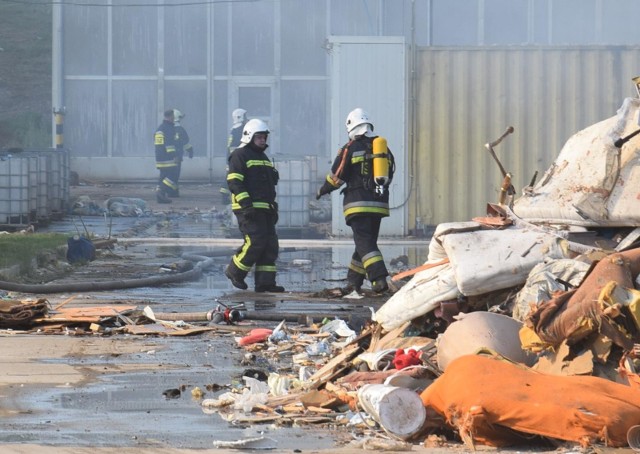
x: 152, y: 281
x: 203, y: 261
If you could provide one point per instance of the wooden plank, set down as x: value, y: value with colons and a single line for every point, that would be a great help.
x: 83, y: 314
x: 389, y: 337
x: 68, y: 300
x: 413, y: 271
x: 629, y: 240
x: 327, y: 370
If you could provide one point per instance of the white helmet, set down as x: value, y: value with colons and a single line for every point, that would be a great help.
x: 238, y: 115
x: 177, y: 117
x: 357, y: 117
x: 252, y: 127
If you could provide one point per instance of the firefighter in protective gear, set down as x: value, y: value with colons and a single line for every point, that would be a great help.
x: 238, y: 119
x: 252, y: 180
x: 183, y: 145
x: 165, y: 147
x: 366, y: 199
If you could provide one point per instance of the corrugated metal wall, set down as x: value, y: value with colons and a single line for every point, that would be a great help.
x: 467, y: 97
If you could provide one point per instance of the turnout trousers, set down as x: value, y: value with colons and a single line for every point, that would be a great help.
x: 367, y: 260
x: 260, y: 248
x: 168, y: 180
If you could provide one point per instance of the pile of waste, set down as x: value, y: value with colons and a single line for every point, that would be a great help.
x: 522, y: 328
x: 114, y: 206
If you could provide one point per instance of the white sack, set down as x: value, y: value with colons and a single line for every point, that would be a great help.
x: 424, y: 292
x: 488, y: 260
x: 482, y: 330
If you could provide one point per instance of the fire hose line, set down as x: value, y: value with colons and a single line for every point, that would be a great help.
x: 152, y: 281
x: 203, y: 261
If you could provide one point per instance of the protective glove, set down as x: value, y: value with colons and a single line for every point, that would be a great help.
x: 324, y: 189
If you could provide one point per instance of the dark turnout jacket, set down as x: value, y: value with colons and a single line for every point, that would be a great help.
x: 252, y: 179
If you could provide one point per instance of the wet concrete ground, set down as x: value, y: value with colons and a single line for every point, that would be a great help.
x: 128, y: 408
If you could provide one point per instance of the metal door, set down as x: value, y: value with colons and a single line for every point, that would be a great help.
x: 370, y: 72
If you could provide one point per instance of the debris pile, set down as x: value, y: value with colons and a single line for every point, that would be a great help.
x: 522, y: 328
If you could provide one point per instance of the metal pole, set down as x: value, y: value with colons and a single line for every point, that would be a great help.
x: 57, y: 78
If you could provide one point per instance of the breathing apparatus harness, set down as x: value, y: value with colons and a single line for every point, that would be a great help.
x: 376, y: 168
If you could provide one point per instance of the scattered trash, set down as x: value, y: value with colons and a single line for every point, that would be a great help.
x: 80, y: 250
x: 197, y: 393
x: 126, y: 206
x: 257, y: 443
x: 255, y: 335
x: 172, y: 393
x: 21, y: 314
x: 301, y: 262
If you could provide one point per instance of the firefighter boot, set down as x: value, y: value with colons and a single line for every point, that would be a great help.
x: 354, y: 282
x: 352, y: 287
x: 272, y: 288
x: 237, y: 282
x: 380, y: 285
x: 161, y: 197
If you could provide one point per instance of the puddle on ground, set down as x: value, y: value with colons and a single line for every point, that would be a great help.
x: 129, y: 409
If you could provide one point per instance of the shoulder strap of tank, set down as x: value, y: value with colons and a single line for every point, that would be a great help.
x: 343, y: 160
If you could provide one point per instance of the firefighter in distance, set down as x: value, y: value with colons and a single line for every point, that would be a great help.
x: 166, y: 163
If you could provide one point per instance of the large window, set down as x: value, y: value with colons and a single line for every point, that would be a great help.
x: 303, y: 119
x: 303, y: 36
x: 186, y: 40
x: 252, y: 26
x: 135, y: 40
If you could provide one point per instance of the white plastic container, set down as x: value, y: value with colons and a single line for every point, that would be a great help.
x: 633, y: 438
x: 399, y: 411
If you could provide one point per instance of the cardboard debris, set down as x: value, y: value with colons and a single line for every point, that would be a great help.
x: 84, y: 314
x: 563, y: 362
